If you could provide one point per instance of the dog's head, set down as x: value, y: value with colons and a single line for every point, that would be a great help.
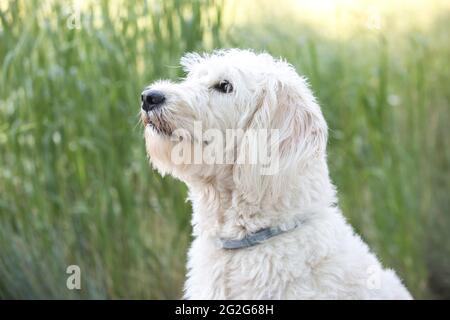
x: 224, y: 96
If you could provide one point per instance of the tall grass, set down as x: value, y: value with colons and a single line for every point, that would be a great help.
x: 75, y: 185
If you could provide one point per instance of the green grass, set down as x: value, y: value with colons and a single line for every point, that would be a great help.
x: 75, y: 184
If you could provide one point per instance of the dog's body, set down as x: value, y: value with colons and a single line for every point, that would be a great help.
x: 320, y: 259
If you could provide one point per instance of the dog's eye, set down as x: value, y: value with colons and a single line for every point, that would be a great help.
x: 224, y: 86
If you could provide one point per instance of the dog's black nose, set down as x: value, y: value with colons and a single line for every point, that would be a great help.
x: 152, y: 99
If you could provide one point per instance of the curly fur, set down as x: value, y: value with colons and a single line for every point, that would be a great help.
x: 322, y: 259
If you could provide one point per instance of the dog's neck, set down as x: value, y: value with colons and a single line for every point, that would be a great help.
x: 221, y: 210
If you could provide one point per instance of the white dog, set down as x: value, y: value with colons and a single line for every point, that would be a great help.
x: 258, y: 235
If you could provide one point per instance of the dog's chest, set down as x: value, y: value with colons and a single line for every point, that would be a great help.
x: 261, y: 272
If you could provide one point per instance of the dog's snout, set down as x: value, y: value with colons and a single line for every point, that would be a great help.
x: 152, y: 99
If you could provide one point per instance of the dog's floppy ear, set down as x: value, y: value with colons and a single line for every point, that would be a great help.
x: 297, y: 131
x: 303, y: 130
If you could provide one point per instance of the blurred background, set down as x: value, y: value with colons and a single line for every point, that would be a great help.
x: 75, y: 184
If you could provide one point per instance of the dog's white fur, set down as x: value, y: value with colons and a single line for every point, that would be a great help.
x: 323, y: 258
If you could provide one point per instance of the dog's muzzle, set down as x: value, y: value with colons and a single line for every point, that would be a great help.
x: 152, y: 112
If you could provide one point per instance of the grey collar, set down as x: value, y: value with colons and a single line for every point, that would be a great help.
x: 258, y: 237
